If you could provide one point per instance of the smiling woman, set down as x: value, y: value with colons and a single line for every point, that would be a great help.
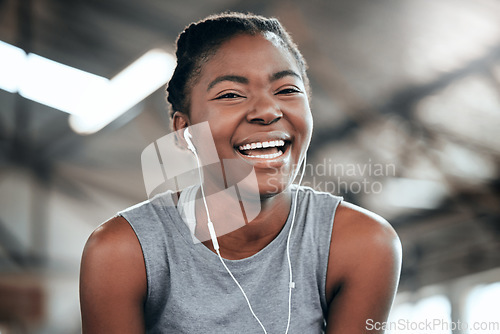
x: 308, y: 262
x: 252, y: 92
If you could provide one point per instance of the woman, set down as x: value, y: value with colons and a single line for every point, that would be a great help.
x: 140, y: 273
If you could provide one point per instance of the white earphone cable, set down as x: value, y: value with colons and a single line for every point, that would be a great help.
x: 291, y: 282
x: 215, y: 243
x: 242, y: 291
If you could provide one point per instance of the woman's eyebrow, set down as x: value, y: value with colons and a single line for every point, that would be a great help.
x: 243, y: 80
x: 234, y: 78
x: 282, y: 74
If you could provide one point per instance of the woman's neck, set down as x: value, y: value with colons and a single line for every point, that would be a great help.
x: 237, y: 237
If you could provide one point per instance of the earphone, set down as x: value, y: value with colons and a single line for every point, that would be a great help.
x: 211, y: 229
x: 188, y: 138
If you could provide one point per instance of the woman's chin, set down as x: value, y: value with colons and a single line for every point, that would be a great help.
x: 271, y: 187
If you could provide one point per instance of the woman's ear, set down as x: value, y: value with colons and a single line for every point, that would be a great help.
x: 179, y: 121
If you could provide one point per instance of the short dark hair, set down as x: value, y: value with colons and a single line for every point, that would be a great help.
x: 201, y: 39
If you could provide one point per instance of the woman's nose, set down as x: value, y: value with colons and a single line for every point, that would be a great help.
x: 264, y: 111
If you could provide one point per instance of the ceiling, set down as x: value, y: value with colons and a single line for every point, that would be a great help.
x: 406, y: 98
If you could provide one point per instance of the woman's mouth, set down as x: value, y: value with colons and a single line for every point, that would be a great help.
x: 264, y: 150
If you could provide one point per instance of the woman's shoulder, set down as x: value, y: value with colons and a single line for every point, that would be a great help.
x: 351, y: 222
x: 113, y: 283
x: 113, y: 251
x: 360, y: 224
x: 363, y: 244
x: 115, y: 236
x: 360, y: 236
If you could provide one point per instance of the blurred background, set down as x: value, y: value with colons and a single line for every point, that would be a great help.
x: 406, y: 103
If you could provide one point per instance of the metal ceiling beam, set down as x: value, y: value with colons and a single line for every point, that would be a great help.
x: 402, y: 102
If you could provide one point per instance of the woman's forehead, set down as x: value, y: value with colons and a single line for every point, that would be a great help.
x: 242, y: 51
x: 237, y: 42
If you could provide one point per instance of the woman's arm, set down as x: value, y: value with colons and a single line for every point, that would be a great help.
x: 112, y: 281
x: 363, y: 271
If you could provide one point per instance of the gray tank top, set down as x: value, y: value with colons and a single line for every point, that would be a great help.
x: 189, y: 291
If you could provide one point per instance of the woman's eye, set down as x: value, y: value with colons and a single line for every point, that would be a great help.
x: 228, y: 96
x: 288, y: 91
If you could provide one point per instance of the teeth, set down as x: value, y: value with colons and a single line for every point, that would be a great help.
x: 266, y: 156
x: 265, y: 144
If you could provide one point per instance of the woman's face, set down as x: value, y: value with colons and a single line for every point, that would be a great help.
x: 254, y: 99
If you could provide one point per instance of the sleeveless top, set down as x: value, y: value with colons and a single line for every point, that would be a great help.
x: 189, y: 290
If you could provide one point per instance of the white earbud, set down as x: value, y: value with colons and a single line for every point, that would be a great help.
x: 211, y: 229
x: 188, y: 137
